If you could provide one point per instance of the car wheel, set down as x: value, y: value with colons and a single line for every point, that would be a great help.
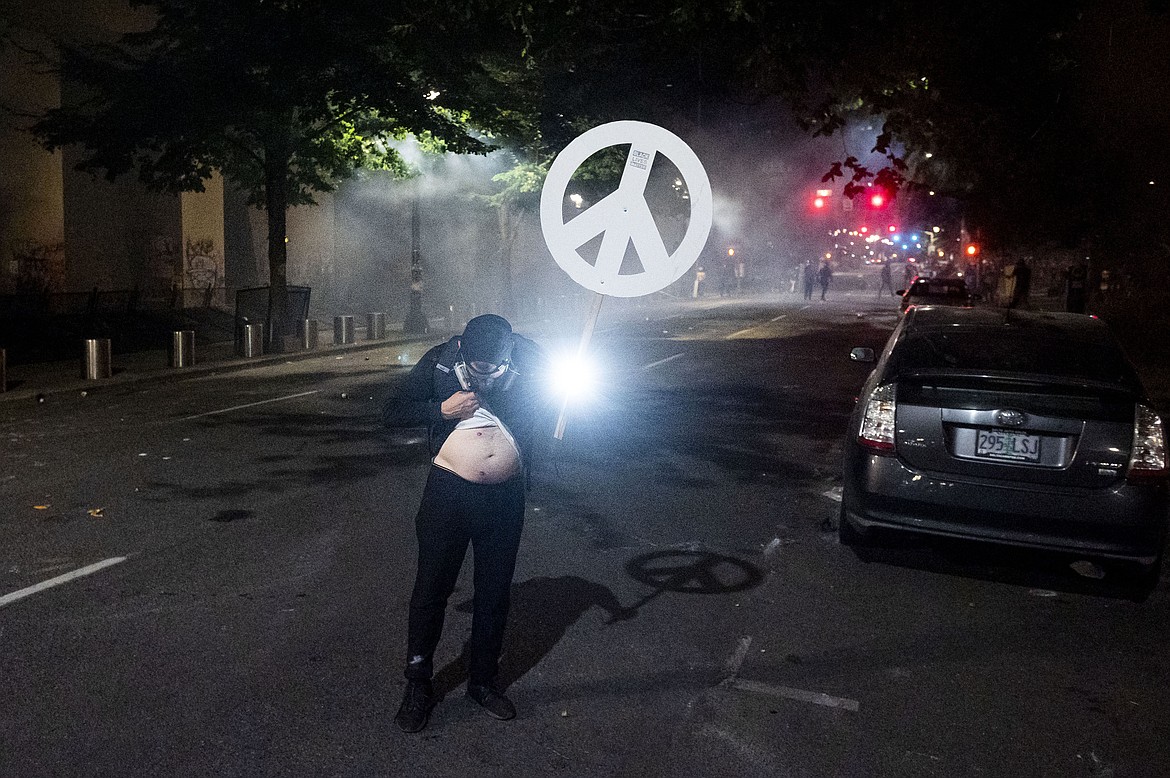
x: 847, y: 534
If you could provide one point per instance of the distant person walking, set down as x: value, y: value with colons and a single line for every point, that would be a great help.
x: 907, y: 275
x: 810, y: 278
x: 825, y: 276
x: 700, y: 283
x: 1023, y: 284
x: 887, y: 281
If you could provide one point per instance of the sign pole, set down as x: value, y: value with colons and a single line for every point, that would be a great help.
x: 586, y: 336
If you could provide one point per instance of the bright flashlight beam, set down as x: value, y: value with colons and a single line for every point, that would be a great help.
x: 574, y: 377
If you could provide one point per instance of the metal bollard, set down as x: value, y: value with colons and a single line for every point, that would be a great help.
x: 342, y: 330
x: 253, y: 343
x: 3, y: 370
x: 375, y: 326
x: 97, y: 359
x: 309, y: 334
x: 182, y: 348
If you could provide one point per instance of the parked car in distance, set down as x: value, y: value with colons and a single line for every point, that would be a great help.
x: 1012, y: 427
x: 937, y: 291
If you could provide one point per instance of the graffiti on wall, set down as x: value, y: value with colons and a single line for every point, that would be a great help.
x: 165, y: 262
x: 202, y: 266
x: 35, y: 268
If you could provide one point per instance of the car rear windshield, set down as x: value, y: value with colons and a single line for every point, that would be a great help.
x: 1007, y: 350
x: 938, y: 289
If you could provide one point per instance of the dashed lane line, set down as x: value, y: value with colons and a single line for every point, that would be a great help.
x: 816, y: 698
x: 66, y: 578
x: 249, y: 405
x: 735, y: 661
x: 662, y: 361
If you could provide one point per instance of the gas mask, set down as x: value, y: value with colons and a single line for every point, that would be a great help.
x: 483, y: 359
x: 483, y: 377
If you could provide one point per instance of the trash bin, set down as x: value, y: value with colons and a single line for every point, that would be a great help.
x: 253, y: 340
x: 309, y: 334
x: 97, y: 359
x: 342, y: 330
x: 182, y: 348
x: 375, y: 326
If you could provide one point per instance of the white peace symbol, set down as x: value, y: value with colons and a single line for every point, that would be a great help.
x: 623, y: 216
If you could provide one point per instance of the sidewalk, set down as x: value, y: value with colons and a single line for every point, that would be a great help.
x: 47, y: 378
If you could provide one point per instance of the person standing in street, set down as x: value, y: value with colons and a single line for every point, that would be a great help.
x: 887, y: 280
x: 825, y: 276
x: 482, y: 395
x: 809, y: 272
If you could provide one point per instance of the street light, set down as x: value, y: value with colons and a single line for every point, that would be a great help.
x: 416, y: 321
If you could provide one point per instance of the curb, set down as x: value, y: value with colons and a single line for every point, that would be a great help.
x: 53, y: 381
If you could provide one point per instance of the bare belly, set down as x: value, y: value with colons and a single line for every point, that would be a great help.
x: 482, y: 456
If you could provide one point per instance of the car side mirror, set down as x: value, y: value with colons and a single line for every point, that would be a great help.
x: 861, y: 355
x: 900, y: 292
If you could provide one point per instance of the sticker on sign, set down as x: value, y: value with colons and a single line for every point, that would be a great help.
x: 623, y: 217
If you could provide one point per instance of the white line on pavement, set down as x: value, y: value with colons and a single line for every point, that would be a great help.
x: 737, y: 656
x: 749, y: 329
x: 817, y: 698
x: 249, y: 405
x: 662, y: 361
x: 66, y: 578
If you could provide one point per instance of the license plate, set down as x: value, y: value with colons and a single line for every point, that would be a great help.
x: 1003, y: 444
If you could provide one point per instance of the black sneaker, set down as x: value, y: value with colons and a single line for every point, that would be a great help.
x: 417, y: 701
x: 496, y: 704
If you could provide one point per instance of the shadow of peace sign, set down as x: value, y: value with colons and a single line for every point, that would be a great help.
x: 623, y: 217
x: 692, y: 572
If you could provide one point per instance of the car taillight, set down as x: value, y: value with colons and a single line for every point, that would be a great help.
x: 877, y: 424
x: 1147, y: 459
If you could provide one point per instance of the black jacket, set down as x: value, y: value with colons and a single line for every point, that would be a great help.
x: 527, y: 407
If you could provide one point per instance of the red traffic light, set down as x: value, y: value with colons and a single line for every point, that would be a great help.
x: 819, y: 202
x: 877, y: 201
x: 892, y: 228
x: 972, y: 250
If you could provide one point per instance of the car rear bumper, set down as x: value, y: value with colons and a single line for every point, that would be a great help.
x: 1125, y: 521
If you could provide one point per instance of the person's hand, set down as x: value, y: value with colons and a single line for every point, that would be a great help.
x: 461, y: 405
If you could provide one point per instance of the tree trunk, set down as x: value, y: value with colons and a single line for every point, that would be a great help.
x: 276, y: 163
x: 508, y: 229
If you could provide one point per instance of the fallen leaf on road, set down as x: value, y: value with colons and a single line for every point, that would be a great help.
x: 97, y: 513
x: 40, y: 507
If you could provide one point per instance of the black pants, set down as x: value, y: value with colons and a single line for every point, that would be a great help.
x: 453, y: 513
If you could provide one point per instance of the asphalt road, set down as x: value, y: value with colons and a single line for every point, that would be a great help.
x: 681, y: 605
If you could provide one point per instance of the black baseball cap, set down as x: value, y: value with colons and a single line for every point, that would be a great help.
x: 487, y: 338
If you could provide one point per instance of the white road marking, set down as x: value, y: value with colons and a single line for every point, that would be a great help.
x: 66, y: 578
x: 735, y: 661
x: 662, y: 361
x: 249, y: 405
x: 817, y: 698
x: 749, y: 329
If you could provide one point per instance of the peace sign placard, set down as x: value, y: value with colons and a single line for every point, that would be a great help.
x: 623, y: 217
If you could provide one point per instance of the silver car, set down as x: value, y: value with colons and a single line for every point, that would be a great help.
x: 1014, y: 427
